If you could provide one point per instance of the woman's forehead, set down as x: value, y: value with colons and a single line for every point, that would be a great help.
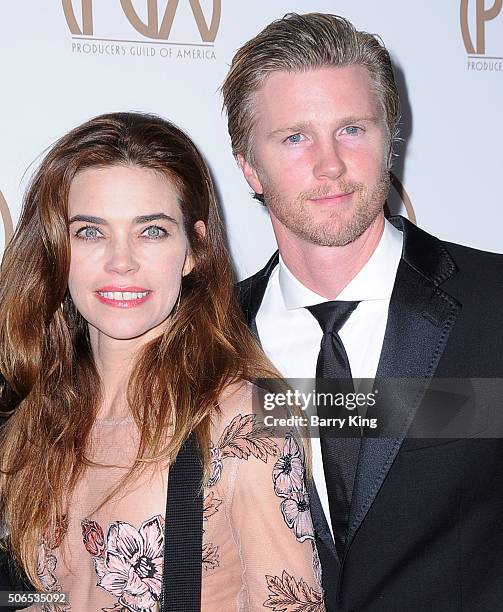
x: 122, y: 192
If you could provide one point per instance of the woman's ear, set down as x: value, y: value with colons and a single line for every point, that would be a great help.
x: 200, y: 228
x: 188, y: 266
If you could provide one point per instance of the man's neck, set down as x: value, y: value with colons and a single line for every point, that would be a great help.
x: 327, y: 270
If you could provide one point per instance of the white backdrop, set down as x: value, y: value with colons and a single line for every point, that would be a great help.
x: 64, y: 61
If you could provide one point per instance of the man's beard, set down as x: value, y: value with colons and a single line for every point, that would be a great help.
x: 334, y: 230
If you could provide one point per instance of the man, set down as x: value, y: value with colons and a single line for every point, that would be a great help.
x: 401, y: 524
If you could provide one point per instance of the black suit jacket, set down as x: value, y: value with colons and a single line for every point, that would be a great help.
x: 426, y: 517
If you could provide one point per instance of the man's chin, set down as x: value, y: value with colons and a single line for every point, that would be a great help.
x: 335, y: 235
x: 329, y: 239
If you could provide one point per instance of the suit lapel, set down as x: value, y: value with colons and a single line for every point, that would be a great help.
x: 420, y: 318
x: 327, y: 552
x: 250, y: 292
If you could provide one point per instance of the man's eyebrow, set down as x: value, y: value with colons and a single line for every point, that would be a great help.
x: 306, y: 125
x: 356, y: 119
x: 291, y: 129
x: 136, y: 220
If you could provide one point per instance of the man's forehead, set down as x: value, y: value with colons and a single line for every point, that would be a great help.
x: 345, y: 90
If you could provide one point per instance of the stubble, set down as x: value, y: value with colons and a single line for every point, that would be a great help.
x: 337, y: 228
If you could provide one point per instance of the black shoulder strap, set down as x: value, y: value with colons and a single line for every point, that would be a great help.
x: 183, y: 532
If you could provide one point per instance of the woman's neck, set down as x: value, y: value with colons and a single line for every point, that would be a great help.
x: 113, y: 359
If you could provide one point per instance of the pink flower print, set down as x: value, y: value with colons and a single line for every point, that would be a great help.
x: 92, y: 536
x: 133, y: 564
x: 288, y: 472
x: 54, y: 540
x: 316, y: 565
x: 297, y: 516
x: 216, y: 465
x: 46, y: 566
x: 99, y: 566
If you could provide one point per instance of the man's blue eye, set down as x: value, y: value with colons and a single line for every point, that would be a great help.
x: 295, y: 138
x: 352, y: 130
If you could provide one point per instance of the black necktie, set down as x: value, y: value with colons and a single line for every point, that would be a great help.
x: 340, y: 455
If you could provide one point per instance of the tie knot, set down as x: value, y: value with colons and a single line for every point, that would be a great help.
x: 332, y: 315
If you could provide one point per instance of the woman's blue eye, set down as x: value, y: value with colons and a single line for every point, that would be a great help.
x: 294, y: 138
x: 88, y: 233
x: 154, y: 232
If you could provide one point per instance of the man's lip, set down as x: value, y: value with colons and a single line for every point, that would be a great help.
x: 331, y: 196
x: 128, y: 288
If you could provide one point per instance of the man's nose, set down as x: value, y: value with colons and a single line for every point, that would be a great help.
x: 329, y: 163
x: 121, y: 258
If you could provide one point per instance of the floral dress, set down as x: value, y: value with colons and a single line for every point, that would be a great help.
x: 258, y: 542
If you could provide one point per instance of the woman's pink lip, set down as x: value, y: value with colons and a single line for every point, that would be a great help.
x: 131, y: 289
x: 123, y: 303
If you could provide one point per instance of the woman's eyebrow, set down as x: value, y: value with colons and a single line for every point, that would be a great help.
x: 137, y: 220
x: 155, y: 217
x: 88, y: 219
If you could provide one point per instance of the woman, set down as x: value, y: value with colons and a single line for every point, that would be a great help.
x: 119, y: 337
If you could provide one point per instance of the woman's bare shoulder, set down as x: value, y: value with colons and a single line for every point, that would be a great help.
x: 241, y: 400
x: 236, y: 398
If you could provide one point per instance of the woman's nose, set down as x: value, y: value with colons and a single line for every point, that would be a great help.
x: 121, y: 258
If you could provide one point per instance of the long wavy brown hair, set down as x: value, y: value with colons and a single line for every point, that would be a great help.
x: 49, y: 384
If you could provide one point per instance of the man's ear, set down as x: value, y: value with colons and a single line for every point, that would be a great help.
x: 188, y: 266
x: 250, y: 174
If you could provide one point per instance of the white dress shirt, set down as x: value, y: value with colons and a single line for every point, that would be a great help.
x: 291, y: 336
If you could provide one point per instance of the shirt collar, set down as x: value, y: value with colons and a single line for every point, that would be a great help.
x: 373, y: 282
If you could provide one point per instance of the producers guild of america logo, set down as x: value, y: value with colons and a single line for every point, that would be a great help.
x: 146, y: 27
x: 8, y: 228
x: 482, y: 32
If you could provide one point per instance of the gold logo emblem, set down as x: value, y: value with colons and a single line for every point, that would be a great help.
x: 404, y: 197
x: 8, y: 228
x: 477, y: 45
x: 153, y: 28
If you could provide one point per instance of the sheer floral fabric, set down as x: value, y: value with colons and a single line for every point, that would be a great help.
x: 258, y: 542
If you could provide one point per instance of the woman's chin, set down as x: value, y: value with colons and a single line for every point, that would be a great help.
x: 125, y: 332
